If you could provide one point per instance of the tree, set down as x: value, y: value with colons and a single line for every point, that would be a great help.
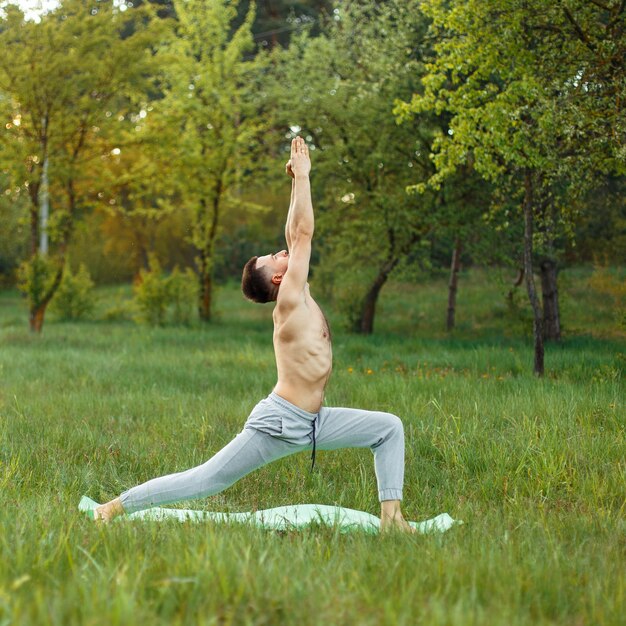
x: 339, y: 92
x: 212, y: 106
x: 463, y: 201
x: 528, y: 87
x: 64, y: 82
x: 137, y: 188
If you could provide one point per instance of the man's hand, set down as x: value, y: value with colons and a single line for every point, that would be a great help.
x: 300, y: 161
x: 288, y: 169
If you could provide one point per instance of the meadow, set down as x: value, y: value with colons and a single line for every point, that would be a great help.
x: 536, y: 468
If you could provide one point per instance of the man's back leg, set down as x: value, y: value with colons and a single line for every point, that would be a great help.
x: 248, y: 451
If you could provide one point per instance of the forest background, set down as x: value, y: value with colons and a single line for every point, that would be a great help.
x: 145, y: 142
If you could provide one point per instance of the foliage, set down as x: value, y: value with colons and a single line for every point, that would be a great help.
x: 75, y: 297
x: 611, y: 285
x: 152, y: 293
x: 522, y: 85
x: 120, y: 312
x: 211, y: 107
x: 35, y: 277
x: 13, y: 237
x: 601, y: 231
x: 277, y: 20
x: 160, y: 298
x: 64, y: 84
x: 523, y: 90
x: 183, y: 294
x: 173, y: 128
x: 340, y: 88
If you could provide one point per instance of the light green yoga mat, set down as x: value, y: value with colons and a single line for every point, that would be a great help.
x: 292, y: 517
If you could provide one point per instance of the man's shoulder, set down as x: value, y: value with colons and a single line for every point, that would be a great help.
x: 288, y: 306
x: 290, y: 299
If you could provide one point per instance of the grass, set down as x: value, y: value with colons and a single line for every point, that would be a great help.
x: 535, y: 468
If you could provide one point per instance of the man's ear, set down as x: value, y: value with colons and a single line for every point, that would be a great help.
x: 277, y: 278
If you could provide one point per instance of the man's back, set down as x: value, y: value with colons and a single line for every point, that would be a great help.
x: 303, y: 352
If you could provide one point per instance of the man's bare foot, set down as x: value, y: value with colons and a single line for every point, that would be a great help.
x: 391, y: 518
x: 106, y: 512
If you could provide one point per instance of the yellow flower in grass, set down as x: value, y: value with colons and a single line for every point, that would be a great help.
x: 350, y: 370
x: 369, y: 371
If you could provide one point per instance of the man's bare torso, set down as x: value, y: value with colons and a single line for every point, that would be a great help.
x: 303, y: 353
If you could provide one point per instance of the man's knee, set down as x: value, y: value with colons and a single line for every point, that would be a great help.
x: 395, y: 424
x: 391, y: 428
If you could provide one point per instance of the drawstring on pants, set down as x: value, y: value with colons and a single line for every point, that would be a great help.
x: 313, y: 453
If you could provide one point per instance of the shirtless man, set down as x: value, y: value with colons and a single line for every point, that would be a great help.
x: 292, y: 418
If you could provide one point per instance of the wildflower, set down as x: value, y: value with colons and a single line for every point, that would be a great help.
x: 369, y: 371
x: 350, y: 370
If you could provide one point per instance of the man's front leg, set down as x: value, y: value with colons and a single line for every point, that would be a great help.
x: 391, y: 517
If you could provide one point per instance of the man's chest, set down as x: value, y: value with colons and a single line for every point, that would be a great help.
x: 304, y: 324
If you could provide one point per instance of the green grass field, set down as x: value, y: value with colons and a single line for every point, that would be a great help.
x: 535, y: 468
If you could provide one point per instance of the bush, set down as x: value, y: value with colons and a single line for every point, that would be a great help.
x: 151, y: 294
x: 160, y: 298
x: 183, y: 295
x: 75, y: 298
x: 35, y: 277
x: 120, y: 312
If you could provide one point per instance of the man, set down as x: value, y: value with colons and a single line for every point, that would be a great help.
x: 292, y: 418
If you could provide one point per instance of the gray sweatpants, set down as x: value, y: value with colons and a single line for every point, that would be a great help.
x: 277, y: 428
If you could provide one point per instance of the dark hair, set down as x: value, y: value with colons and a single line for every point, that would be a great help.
x: 256, y: 283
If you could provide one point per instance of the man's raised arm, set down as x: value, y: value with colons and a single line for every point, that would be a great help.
x: 300, y: 222
x: 299, y: 228
x: 293, y: 192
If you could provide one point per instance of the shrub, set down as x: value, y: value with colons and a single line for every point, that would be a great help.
x: 35, y: 277
x: 75, y: 298
x: 151, y: 293
x: 120, y: 312
x: 160, y: 298
x: 183, y: 294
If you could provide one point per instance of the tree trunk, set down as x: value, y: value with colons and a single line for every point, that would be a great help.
x: 34, y: 230
x: 365, y: 324
x: 516, y: 283
x: 206, y: 286
x: 453, y: 284
x: 38, y: 309
x: 206, y: 270
x: 551, y: 316
x: 36, y: 318
x: 528, y: 272
x: 206, y: 297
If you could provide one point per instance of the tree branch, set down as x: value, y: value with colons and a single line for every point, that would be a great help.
x: 601, y: 5
x: 615, y: 17
x: 579, y: 31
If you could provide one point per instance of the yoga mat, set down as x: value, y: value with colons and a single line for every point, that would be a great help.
x: 291, y: 517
